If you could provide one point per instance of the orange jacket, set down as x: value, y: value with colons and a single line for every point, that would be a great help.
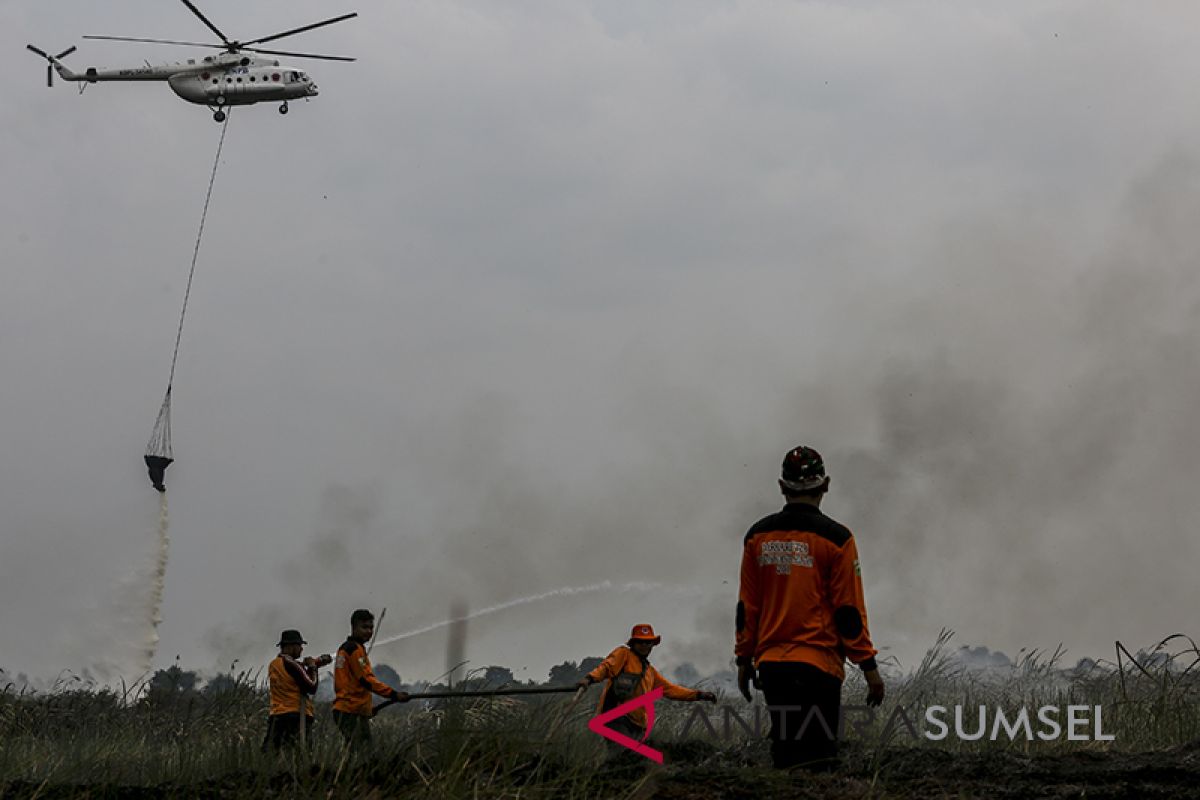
x: 625, y: 661
x: 289, y: 680
x: 354, y: 682
x: 801, y: 593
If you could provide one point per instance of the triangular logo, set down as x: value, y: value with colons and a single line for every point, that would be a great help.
x: 598, y: 724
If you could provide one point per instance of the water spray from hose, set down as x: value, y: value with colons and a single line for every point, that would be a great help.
x: 566, y: 591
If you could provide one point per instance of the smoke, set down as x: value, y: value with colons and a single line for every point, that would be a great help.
x: 122, y: 639
x: 1031, y: 446
x: 253, y: 638
x: 1008, y: 437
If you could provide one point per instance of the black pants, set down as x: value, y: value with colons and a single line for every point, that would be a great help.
x: 628, y: 727
x: 283, y: 730
x: 355, y: 728
x: 805, y: 704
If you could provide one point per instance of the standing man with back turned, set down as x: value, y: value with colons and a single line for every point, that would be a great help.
x: 354, y: 682
x: 800, y: 615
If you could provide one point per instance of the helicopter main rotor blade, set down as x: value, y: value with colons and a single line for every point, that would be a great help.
x: 298, y: 55
x: 294, y: 31
x: 204, y: 19
x: 153, y: 41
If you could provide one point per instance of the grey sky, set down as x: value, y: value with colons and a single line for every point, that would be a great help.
x: 536, y: 294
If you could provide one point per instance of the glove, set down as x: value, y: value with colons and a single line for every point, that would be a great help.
x: 324, y: 660
x: 584, y: 682
x: 399, y: 696
x: 875, y: 689
x: 745, y: 676
x: 707, y: 697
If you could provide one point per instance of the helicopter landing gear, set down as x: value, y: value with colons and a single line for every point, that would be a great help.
x: 283, y: 109
x: 218, y: 116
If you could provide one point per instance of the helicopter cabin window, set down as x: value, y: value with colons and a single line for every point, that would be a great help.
x: 191, y: 61
x: 293, y: 77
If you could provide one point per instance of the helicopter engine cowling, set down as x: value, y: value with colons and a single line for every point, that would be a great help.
x: 189, y: 87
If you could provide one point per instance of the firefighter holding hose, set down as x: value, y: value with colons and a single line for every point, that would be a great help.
x: 354, y: 682
x: 629, y: 674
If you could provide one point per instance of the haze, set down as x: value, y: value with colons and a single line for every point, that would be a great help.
x: 536, y: 295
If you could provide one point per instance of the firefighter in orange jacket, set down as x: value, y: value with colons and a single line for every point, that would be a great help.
x: 800, y: 616
x: 354, y: 682
x: 292, y: 684
x: 630, y: 674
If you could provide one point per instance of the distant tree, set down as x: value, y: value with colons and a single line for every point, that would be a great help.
x: 1084, y: 665
x: 171, y: 685
x: 220, y: 684
x: 495, y: 677
x: 589, y: 664
x: 564, y: 674
x: 387, y: 675
x: 569, y: 672
x: 981, y: 658
x: 173, y: 680
x: 1154, y: 659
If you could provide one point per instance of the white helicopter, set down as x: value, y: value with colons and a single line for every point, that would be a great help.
x: 226, y: 79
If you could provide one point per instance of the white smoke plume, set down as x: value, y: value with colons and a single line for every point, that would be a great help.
x: 157, y: 586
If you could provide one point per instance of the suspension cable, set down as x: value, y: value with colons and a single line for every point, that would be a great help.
x: 196, y: 250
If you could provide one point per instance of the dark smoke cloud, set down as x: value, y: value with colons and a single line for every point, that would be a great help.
x: 553, y: 317
x: 1011, y: 444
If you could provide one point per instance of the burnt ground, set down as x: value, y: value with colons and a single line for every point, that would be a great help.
x: 696, y: 771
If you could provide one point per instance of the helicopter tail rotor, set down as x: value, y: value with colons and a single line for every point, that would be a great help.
x: 51, y: 61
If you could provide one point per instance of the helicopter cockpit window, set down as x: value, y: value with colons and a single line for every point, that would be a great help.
x: 292, y: 77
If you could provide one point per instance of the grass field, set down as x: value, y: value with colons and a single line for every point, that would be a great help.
x: 180, y: 740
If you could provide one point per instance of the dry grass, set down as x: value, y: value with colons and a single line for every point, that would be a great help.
x: 165, y: 739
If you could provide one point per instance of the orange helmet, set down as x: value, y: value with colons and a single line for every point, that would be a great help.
x: 644, y: 633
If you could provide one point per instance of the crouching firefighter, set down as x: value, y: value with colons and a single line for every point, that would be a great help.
x: 630, y: 674
x: 292, y: 684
